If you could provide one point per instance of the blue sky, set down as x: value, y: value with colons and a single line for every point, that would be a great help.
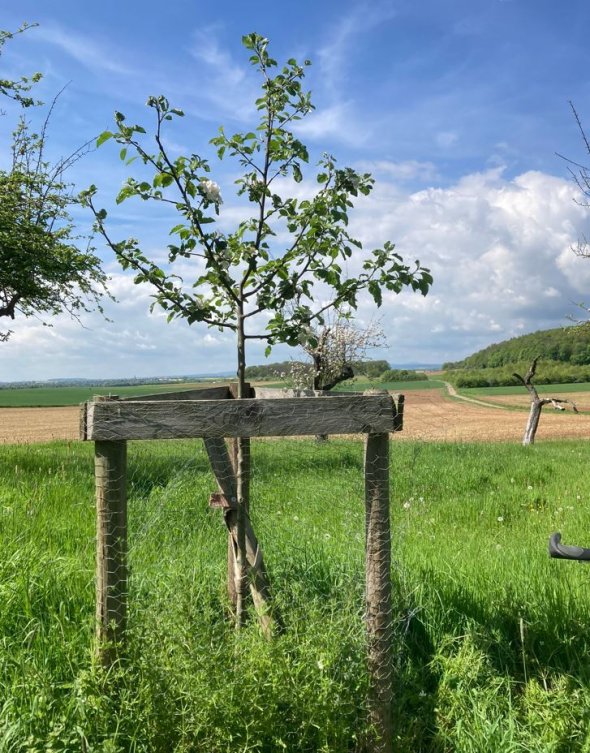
x: 458, y: 108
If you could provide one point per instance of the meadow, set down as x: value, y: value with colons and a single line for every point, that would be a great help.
x: 544, y: 389
x: 45, y: 397
x: 491, y: 638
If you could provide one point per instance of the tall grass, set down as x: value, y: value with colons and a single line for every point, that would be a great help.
x: 491, y: 636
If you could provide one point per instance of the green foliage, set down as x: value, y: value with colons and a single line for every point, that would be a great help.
x: 270, y: 370
x: 569, y: 345
x: 490, y: 640
x: 403, y: 375
x: 18, y: 89
x: 42, y: 269
x: 548, y: 372
x: 247, y: 272
x: 370, y: 369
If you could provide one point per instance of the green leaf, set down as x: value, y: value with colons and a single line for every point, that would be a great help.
x: 104, y: 136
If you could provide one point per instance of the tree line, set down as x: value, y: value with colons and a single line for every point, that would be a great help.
x: 370, y: 369
x: 566, y: 345
x: 551, y: 372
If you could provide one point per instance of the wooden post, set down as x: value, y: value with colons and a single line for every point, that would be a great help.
x: 111, y: 548
x: 378, y: 590
x: 398, y: 421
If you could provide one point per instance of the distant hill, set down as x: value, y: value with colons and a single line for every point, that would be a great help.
x: 567, y: 345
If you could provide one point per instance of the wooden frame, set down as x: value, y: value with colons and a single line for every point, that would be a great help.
x: 211, y: 414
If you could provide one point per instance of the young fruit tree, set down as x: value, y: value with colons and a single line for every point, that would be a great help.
x: 42, y: 270
x: 249, y: 282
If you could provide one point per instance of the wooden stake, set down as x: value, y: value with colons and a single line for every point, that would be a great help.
x: 111, y: 549
x: 256, y: 570
x: 378, y: 590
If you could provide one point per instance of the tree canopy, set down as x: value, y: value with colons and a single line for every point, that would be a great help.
x: 248, y: 281
x: 43, y: 269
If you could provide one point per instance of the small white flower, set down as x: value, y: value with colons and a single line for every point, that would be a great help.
x: 320, y: 665
x: 500, y: 518
x: 407, y: 505
x: 211, y: 191
x: 529, y: 487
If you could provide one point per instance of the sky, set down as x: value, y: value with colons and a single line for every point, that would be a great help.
x: 459, y: 108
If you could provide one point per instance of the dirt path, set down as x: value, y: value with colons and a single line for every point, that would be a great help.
x: 453, y: 393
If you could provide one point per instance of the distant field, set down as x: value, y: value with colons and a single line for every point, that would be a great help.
x: 519, y: 390
x: 365, y: 384
x: 44, y: 397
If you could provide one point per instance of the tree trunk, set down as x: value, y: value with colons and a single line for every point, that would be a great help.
x: 533, y: 422
x: 537, y: 403
x: 243, y: 484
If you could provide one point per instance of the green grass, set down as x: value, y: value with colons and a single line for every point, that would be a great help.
x: 491, y: 639
x: 543, y: 389
x: 62, y: 396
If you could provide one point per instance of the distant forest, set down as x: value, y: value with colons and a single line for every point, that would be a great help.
x: 566, y: 345
x: 564, y: 357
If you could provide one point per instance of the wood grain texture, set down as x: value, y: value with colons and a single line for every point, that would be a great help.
x: 111, y: 548
x: 118, y: 420
x: 207, y: 393
x: 378, y: 591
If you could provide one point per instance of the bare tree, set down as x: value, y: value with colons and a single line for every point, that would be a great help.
x: 537, y: 403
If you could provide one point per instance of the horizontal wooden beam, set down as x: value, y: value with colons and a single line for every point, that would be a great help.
x: 205, y: 393
x: 346, y: 414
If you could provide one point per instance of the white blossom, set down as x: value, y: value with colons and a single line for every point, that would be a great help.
x: 211, y: 191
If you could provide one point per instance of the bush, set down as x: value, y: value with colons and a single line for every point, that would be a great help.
x: 403, y: 375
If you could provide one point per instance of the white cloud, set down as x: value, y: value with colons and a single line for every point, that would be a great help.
x: 84, y: 49
x: 227, y: 84
x: 335, y: 54
x: 405, y: 171
x: 337, y: 122
x: 499, y: 249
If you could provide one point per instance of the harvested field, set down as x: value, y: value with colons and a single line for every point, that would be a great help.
x: 27, y: 425
x: 436, y: 417
x: 581, y: 399
x: 429, y: 416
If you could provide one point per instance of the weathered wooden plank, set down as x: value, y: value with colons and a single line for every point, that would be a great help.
x: 347, y: 414
x: 206, y: 393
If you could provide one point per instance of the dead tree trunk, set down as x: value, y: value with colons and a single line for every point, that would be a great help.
x: 537, y: 403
